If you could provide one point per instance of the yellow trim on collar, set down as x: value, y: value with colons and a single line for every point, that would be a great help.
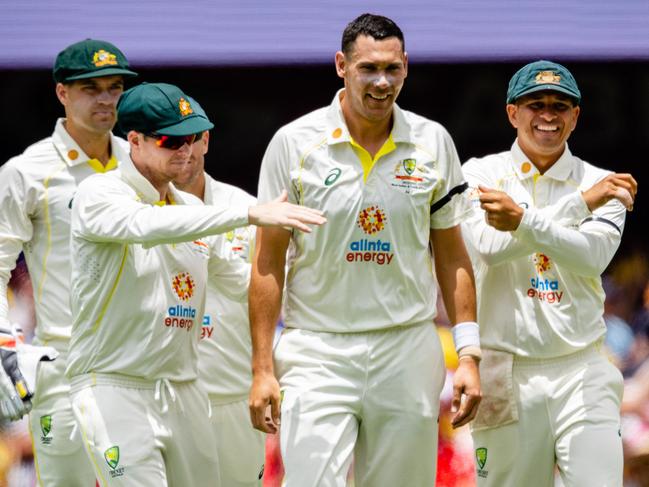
x: 97, y: 166
x: 168, y: 201
x: 366, y: 159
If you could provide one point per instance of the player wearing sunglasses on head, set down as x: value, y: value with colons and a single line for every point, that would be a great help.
x: 143, y: 253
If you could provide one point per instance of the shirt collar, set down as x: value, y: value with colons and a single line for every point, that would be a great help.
x: 72, y: 153
x: 142, y: 186
x: 524, y: 168
x: 338, y: 132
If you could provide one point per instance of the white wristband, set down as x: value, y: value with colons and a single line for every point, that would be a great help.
x: 466, y: 334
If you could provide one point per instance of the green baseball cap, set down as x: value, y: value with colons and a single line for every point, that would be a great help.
x: 90, y: 59
x: 160, y: 108
x: 198, y: 109
x: 542, y: 75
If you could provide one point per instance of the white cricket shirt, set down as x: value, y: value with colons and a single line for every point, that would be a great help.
x: 225, y: 348
x: 139, y: 276
x: 36, y: 193
x: 539, y: 287
x: 369, y: 267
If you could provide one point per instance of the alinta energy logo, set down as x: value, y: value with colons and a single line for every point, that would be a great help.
x: 183, y: 285
x: 544, y: 285
x: 180, y: 316
x: 371, y: 220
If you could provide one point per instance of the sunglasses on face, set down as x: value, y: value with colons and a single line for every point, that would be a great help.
x: 174, y: 142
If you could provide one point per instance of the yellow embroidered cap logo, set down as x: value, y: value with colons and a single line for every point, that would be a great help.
x: 548, y: 77
x: 184, y: 107
x: 104, y: 58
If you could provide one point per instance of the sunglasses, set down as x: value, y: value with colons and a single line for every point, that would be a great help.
x: 174, y: 142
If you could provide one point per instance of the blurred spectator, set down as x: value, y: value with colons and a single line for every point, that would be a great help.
x: 619, y: 336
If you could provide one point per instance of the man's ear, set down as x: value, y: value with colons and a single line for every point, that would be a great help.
x: 340, y: 64
x: 512, y: 114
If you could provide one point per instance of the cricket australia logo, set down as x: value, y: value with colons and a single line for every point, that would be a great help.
x: 46, y: 428
x: 104, y: 58
x: 111, y: 456
x: 409, y: 176
x: 184, y: 107
x: 409, y: 166
x: 481, y: 458
x: 183, y: 285
x: 545, y: 77
x: 371, y: 220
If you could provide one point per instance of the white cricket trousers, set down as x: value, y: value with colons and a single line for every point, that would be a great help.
x: 372, y: 395
x: 241, y: 448
x: 141, y: 433
x: 59, y: 457
x: 569, y: 416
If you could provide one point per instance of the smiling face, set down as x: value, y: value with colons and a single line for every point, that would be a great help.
x: 374, y: 72
x: 543, y: 121
x: 196, y: 165
x: 90, y: 104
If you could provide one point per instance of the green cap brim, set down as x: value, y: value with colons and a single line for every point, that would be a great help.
x: 101, y: 73
x: 547, y: 87
x: 190, y: 125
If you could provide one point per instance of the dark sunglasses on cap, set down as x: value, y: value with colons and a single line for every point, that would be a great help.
x: 175, y: 142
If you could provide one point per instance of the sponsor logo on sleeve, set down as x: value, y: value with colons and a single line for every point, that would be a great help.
x: 544, y: 286
x: 371, y: 220
x: 201, y: 247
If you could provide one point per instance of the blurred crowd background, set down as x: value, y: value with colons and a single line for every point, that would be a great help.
x: 256, y: 65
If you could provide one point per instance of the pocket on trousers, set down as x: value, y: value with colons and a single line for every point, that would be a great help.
x: 498, y: 405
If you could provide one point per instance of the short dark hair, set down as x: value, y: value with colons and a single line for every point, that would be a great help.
x: 375, y: 26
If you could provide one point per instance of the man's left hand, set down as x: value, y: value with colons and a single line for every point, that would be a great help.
x: 501, y: 212
x: 466, y: 391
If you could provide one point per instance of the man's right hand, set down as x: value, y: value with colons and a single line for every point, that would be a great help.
x: 622, y: 187
x: 12, y: 406
x: 281, y: 213
x: 18, y: 368
x: 264, y: 403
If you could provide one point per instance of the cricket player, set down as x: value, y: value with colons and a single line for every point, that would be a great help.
x: 547, y: 224
x: 36, y: 193
x: 138, y: 293
x: 225, y: 349
x: 360, y: 366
